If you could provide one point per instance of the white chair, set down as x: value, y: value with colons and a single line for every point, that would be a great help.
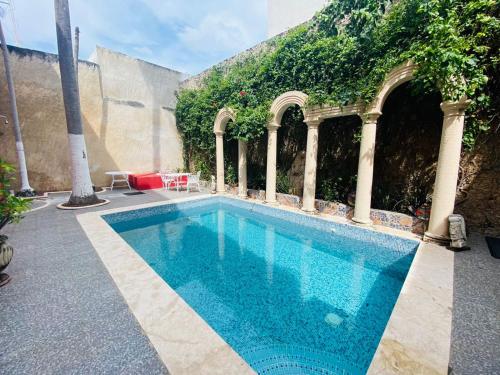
x: 167, y: 180
x: 194, y: 180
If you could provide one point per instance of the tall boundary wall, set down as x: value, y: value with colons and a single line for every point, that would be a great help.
x: 128, y: 111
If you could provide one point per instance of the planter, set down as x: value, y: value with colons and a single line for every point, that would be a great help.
x: 6, y: 253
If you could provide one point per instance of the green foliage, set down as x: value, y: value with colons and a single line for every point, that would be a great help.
x: 230, y: 175
x: 11, y: 207
x: 343, y: 56
x: 337, y: 189
x: 202, y: 166
x: 283, y: 184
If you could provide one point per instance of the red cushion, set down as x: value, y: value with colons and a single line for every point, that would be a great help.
x: 148, y: 181
x: 145, y: 181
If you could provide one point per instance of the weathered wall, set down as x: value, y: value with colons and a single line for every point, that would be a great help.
x: 478, y: 198
x: 127, y: 109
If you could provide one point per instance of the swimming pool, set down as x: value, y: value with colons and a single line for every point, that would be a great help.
x: 290, y: 293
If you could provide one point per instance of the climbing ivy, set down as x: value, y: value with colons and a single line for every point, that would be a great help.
x: 343, y: 55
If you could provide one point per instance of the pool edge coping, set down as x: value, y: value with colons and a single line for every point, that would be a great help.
x: 405, y: 347
x: 185, y: 343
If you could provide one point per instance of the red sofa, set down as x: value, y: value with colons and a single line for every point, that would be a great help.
x: 148, y: 181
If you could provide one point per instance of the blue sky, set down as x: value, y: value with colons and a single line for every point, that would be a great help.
x: 186, y: 35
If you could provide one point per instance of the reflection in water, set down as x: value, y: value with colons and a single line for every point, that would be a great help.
x: 221, y: 233
x: 277, y: 292
x: 305, y: 266
x: 241, y: 234
x: 269, y: 253
x: 356, y: 284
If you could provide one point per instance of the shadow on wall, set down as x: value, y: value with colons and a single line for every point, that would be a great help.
x: 43, y: 122
x: 338, y: 155
x: 162, y: 85
x: 407, y: 149
x: 100, y: 159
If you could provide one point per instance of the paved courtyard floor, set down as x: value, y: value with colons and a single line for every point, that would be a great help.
x: 62, y: 313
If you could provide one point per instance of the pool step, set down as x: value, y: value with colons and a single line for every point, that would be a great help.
x: 287, y: 359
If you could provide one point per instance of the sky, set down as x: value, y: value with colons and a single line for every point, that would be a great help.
x: 185, y: 35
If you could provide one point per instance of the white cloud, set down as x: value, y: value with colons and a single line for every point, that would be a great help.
x: 188, y: 35
x: 215, y: 34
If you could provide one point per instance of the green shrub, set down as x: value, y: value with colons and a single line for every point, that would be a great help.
x: 282, y: 182
x: 230, y: 175
x: 11, y: 207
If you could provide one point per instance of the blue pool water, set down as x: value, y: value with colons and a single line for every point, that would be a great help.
x: 292, y: 294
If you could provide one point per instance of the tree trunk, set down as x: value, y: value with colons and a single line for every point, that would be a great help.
x: 23, y: 171
x: 82, y: 190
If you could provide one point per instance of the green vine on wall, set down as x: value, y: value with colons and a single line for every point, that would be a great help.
x: 343, y: 55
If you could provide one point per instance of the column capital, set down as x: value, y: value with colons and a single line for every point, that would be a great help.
x: 455, y: 108
x: 219, y: 133
x: 273, y: 126
x: 371, y: 117
x: 313, y: 124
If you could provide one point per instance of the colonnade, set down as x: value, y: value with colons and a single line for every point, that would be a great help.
x: 443, y: 200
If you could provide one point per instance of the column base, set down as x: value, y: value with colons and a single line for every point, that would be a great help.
x: 362, y: 221
x: 436, y: 238
x: 221, y: 192
x: 310, y: 211
x: 271, y: 203
x: 243, y: 196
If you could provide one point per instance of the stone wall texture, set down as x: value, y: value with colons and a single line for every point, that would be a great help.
x: 478, y: 198
x: 127, y: 110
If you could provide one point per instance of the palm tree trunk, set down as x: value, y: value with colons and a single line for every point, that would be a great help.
x: 82, y: 191
x: 23, y: 171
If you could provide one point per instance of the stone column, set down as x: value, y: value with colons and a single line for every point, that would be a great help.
x: 445, y: 186
x: 272, y: 151
x: 310, y: 169
x: 365, y: 169
x: 242, y: 169
x: 219, y: 146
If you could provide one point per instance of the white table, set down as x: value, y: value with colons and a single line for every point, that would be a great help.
x: 119, y: 176
x: 177, y: 178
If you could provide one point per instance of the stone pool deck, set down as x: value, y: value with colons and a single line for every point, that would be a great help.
x: 62, y: 313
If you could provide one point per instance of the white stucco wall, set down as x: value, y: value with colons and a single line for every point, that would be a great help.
x: 139, y: 112
x: 285, y: 14
x: 127, y: 110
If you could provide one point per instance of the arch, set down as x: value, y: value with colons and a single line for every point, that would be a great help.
x: 223, y: 117
x: 284, y: 101
x: 395, y: 78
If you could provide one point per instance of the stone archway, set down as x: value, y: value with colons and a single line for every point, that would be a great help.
x: 278, y: 108
x: 223, y: 117
x: 443, y: 200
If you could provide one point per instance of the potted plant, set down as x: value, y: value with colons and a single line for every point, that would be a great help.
x: 11, y: 208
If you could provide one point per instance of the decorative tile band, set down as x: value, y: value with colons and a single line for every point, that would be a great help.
x: 390, y: 219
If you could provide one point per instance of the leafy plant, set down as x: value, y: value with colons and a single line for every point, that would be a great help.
x: 230, y: 174
x: 11, y: 207
x: 336, y: 189
x: 343, y: 56
x: 282, y: 182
